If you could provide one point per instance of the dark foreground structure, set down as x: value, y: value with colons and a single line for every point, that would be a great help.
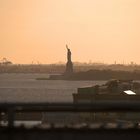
x: 120, y: 130
x: 69, y: 134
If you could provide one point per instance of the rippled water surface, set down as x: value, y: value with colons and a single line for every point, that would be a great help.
x: 25, y: 88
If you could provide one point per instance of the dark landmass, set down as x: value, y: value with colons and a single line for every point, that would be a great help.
x: 106, y: 75
x: 99, y: 75
x: 60, y: 68
x: 81, y: 72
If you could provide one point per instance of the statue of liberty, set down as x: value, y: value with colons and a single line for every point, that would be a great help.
x: 68, y: 54
x: 69, y: 65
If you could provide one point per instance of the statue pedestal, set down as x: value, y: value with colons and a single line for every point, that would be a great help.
x: 69, y: 68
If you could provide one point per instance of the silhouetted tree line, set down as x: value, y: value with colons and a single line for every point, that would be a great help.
x: 32, y: 68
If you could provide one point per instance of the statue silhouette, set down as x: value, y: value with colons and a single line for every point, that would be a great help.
x: 68, y: 54
x: 69, y: 65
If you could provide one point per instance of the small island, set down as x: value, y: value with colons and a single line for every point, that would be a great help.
x: 105, y: 74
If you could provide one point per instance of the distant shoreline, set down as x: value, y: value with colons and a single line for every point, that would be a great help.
x: 96, y: 75
x: 100, y: 72
x: 60, y: 68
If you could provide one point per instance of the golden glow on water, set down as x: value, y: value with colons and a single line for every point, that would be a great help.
x: 37, y: 30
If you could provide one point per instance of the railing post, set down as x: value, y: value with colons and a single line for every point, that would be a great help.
x: 11, y: 117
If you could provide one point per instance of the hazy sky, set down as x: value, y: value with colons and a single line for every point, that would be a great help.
x: 96, y: 30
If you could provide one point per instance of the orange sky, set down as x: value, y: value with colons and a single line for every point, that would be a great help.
x: 96, y: 30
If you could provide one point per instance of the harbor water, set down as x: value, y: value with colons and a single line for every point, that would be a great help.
x: 25, y: 88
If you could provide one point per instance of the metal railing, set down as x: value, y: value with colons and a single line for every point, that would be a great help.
x: 53, y: 133
x: 98, y: 106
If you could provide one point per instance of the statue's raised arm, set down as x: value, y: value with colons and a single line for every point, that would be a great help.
x: 67, y: 46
